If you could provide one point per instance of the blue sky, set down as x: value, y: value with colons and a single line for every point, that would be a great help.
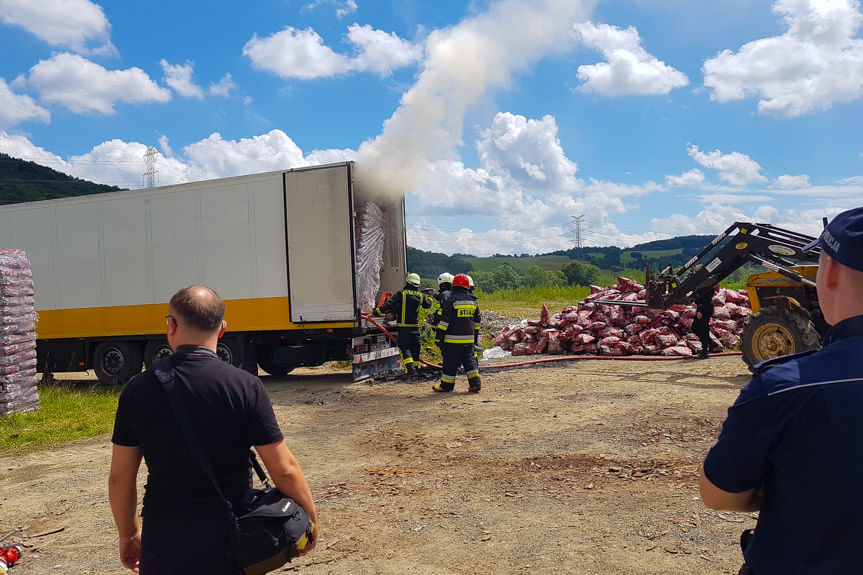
x: 501, y: 120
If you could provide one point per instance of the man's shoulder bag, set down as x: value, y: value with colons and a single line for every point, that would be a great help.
x: 271, y: 528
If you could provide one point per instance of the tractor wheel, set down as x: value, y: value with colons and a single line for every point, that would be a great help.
x: 777, y: 331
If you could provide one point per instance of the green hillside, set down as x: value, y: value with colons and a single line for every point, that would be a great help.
x: 562, y: 268
x: 23, y: 181
x: 518, y: 263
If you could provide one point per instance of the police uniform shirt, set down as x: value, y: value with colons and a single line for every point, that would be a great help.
x: 797, y: 431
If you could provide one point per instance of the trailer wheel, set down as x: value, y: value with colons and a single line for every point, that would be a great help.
x: 228, y: 349
x: 156, y: 349
x: 116, y: 362
x: 777, y: 331
x: 265, y: 354
x: 276, y: 370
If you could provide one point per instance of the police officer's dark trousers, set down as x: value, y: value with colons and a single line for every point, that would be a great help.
x: 409, y: 346
x: 455, y: 355
x: 701, y: 328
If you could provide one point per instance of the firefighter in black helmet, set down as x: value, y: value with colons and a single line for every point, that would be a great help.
x: 458, y: 330
x: 405, y: 306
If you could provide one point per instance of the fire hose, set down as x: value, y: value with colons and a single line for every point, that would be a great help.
x: 561, y: 357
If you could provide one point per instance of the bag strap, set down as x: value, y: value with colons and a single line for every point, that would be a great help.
x: 164, y: 372
x: 262, y: 475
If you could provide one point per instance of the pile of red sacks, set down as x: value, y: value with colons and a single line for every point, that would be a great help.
x: 592, y: 328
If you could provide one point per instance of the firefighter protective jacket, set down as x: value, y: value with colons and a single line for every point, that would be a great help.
x: 441, y: 297
x: 405, y: 305
x: 460, y: 318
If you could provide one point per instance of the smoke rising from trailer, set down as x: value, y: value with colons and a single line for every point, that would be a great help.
x: 462, y: 63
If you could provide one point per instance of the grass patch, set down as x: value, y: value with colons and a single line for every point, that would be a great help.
x: 527, y: 302
x: 68, y: 413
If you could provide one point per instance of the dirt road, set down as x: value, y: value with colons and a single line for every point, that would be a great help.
x: 586, y: 467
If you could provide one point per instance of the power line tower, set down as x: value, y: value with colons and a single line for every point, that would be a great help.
x: 151, y: 176
x: 578, y: 222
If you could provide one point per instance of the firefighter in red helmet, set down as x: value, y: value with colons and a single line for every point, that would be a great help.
x: 458, y: 332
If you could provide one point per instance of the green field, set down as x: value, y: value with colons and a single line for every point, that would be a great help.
x: 550, y: 263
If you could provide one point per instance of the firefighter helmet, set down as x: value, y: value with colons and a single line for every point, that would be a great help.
x: 413, y: 280
x: 470, y: 281
x: 461, y: 280
x: 444, y: 278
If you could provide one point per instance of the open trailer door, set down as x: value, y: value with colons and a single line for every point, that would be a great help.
x: 318, y: 204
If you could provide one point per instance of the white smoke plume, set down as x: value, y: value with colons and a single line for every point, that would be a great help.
x: 461, y: 64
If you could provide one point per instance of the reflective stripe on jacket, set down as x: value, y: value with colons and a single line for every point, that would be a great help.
x: 460, y: 318
x: 405, y: 305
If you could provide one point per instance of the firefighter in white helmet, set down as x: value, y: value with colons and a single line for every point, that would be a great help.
x: 444, y: 284
x: 405, y: 305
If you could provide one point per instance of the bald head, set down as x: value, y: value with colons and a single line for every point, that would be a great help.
x: 199, y: 307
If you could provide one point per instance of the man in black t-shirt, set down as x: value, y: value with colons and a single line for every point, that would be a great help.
x: 185, y: 523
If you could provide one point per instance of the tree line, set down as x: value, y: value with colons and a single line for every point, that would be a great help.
x: 23, y: 181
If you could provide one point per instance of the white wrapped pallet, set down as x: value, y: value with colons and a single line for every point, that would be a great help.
x: 17, y: 334
x: 370, y: 238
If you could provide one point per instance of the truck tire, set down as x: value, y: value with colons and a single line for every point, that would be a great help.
x: 777, y: 331
x: 156, y: 349
x: 230, y: 351
x: 276, y: 370
x: 116, y: 362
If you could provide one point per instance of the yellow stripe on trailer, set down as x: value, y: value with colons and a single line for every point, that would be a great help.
x: 258, y: 314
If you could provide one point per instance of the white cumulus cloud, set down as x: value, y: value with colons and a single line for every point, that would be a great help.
x: 17, y: 108
x: 78, y: 25
x: 215, y: 157
x: 787, y: 181
x: 735, y: 168
x: 294, y: 53
x: 83, y: 86
x: 379, y: 52
x: 629, y: 68
x: 817, y: 62
x: 343, y: 7
x: 692, y: 178
x: 223, y: 87
x: 179, y: 77
x: 528, y: 151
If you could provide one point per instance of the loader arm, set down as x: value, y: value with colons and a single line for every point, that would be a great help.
x: 774, y: 248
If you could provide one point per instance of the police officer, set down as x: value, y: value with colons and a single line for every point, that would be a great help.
x: 458, y: 330
x: 701, y: 325
x: 405, y: 306
x: 792, y: 445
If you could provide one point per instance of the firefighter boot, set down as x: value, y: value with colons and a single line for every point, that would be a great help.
x: 474, y: 385
x: 443, y: 387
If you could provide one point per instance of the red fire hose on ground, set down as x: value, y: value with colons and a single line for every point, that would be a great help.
x: 560, y: 357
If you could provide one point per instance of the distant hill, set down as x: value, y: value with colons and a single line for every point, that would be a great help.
x: 541, y: 268
x: 675, y: 243
x: 23, y: 181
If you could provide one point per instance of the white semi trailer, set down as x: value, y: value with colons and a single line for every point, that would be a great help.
x: 298, y: 256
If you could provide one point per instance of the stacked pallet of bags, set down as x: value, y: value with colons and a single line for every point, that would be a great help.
x: 17, y: 334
